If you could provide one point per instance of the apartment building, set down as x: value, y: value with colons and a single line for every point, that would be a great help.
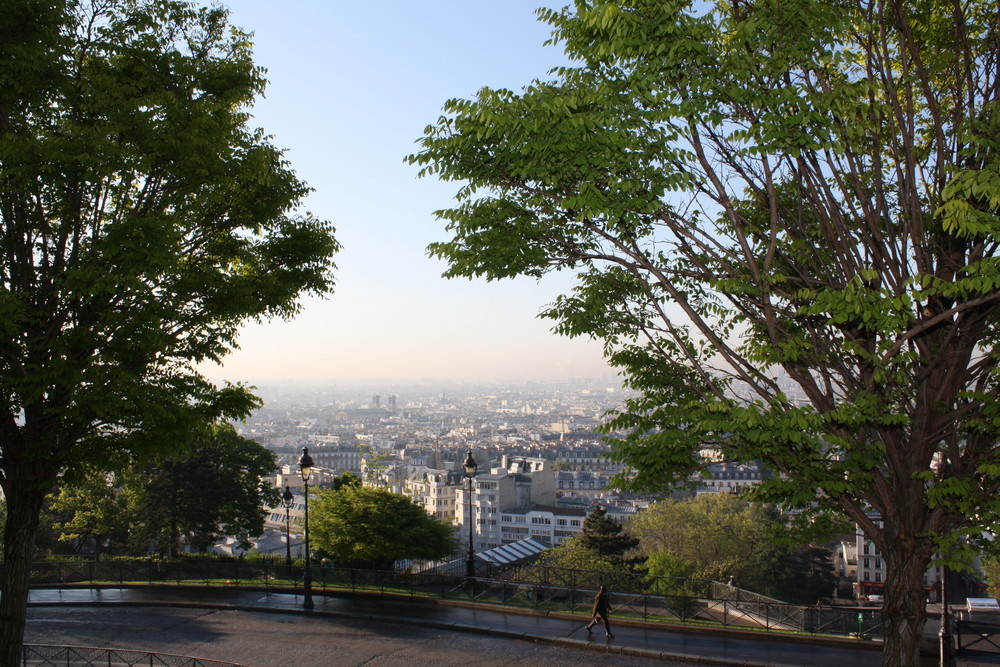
x: 580, y: 484
x: 336, y: 457
x: 548, y: 525
x: 871, y: 567
x: 728, y: 477
x: 434, y: 490
x: 291, y: 476
x: 585, y: 458
x: 514, y: 484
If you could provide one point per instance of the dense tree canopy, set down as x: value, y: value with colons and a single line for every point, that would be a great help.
x: 92, y: 514
x: 722, y: 537
x: 209, y: 490
x: 717, y: 535
x: 346, y: 478
x: 142, y: 222
x: 597, y: 555
x: 374, y: 527
x: 783, y: 218
x: 572, y: 554
x: 189, y: 498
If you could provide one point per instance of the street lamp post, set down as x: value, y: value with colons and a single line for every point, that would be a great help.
x: 470, y: 472
x: 947, y: 658
x: 305, y: 465
x: 287, y: 499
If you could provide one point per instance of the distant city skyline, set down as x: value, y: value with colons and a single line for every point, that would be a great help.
x: 352, y: 86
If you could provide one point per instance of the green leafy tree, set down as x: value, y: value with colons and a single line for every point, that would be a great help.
x: 991, y: 572
x: 784, y: 229
x: 92, y: 514
x: 605, y: 537
x: 373, y: 527
x: 672, y: 575
x: 574, y: 555
x: 345, y: 479
x: 142, y: 222
x: 596, y: 555
x: 803, y: 574
x: 718, y: 535
x: 581, y: 566
x: 197, y: 496
x: 668, y: 564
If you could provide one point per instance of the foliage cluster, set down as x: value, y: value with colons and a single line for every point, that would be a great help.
x: 990, y: 565
x: 600, y: 548
x: 605, y: 537
x: 191, y: 498
x: 784, y: 222
x: 361, y: 526
x: 722, y: 537
x: 682, y: 544
x: 143, y: 221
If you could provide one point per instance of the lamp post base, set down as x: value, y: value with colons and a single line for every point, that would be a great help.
x: 307, y: 602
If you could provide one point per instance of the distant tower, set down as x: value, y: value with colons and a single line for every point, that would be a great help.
x: 392, y: 403
x: 376, y: 402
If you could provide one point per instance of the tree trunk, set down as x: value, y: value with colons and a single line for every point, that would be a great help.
x: 904, y: 608
x: 19, y: 539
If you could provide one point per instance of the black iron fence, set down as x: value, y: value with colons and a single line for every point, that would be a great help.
x: 43, y: 655
x: 976, y: 638
x: 634, y: 596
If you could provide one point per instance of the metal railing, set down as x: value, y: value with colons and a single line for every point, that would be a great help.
x: 633, y: 596
x: 977, y: 638
x: 44, y: 655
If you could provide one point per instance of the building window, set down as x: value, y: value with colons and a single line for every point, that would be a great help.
x: 561, y: 522
x: 574, y: 522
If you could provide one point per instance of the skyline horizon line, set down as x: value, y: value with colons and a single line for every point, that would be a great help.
x: 258, y: 381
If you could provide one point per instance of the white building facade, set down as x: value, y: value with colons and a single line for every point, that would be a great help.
x: 514, y: 484
x: 549, y: 525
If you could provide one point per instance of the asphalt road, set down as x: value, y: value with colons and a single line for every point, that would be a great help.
x: 262, y: 639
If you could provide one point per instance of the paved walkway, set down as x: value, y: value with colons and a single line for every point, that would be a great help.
x: 715, y: 647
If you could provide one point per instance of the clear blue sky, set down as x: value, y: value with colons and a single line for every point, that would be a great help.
x: 352, y: 85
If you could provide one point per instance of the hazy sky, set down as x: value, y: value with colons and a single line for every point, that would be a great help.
x: 352, y: 86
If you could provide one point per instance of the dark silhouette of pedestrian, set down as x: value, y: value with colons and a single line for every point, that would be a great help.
x: 602, y: 609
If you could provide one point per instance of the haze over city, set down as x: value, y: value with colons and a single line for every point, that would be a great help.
x: 352, y: 86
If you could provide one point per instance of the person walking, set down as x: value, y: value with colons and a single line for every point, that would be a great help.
x: 602, y: 609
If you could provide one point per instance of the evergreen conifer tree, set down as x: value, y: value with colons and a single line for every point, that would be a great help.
x: 605, y: 536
